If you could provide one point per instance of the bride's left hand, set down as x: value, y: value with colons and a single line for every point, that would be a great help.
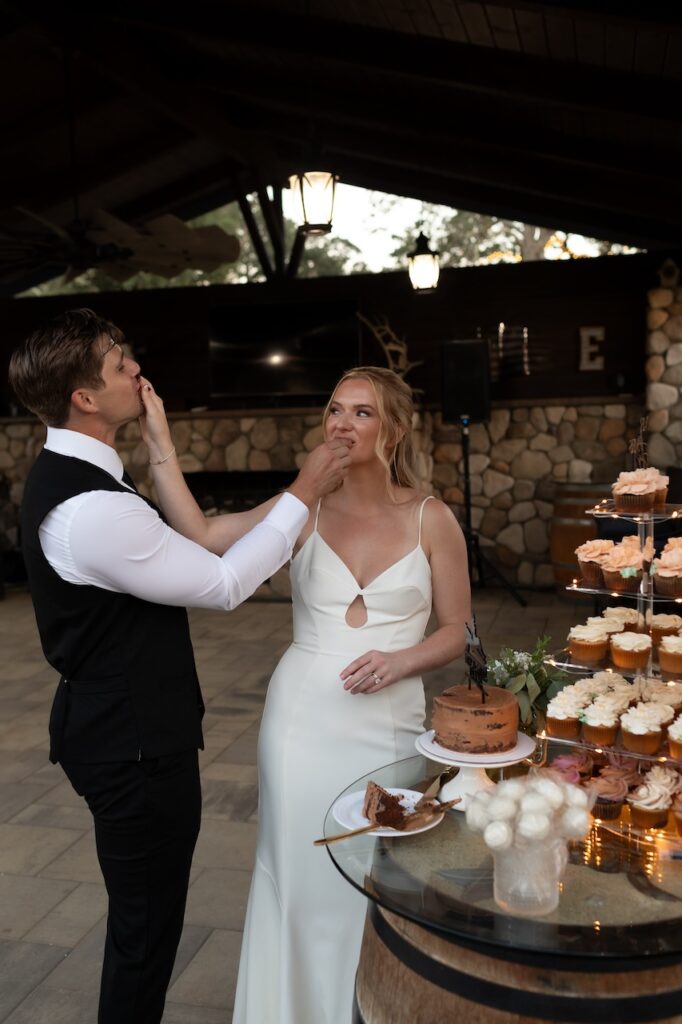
x: 373, y: 671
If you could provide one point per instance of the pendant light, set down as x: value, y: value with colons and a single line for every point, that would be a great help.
x: 315, y: 191
x: 423, y: 266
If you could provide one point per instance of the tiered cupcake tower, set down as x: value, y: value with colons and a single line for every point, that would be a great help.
x: 664, y: 757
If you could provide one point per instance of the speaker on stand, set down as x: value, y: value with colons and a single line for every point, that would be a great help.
x: 465, y: 400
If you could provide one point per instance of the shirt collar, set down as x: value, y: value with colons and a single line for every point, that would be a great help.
x: 89, y: 449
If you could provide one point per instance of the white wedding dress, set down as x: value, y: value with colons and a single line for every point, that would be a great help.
x: 304, y: 922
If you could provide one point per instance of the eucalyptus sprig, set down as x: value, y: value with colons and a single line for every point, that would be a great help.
x: 528, y: 676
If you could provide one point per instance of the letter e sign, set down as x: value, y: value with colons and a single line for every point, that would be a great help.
x: 591, y: 357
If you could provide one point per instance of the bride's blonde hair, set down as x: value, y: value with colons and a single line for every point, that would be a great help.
x: 394, y: 447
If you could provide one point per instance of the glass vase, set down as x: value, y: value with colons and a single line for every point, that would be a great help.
x: 526, y: 878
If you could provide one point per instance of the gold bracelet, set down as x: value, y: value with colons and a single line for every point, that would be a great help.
x: 164, y: 459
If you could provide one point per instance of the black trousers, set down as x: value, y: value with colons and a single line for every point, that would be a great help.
x: 147, y: 816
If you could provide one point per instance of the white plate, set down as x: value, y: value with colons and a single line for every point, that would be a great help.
x: 348, y: 812
x: 426, y: 744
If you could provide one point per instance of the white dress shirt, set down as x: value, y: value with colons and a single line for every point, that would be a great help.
x: 115, y: 541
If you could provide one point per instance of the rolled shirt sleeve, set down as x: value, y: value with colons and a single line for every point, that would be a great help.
x: 115, y: 541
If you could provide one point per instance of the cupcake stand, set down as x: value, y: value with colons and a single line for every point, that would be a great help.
x: 471, y: 776
x: 644, y: 595
x: 646, y: 601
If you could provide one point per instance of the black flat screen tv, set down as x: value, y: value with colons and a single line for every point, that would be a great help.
x: 284, y: 354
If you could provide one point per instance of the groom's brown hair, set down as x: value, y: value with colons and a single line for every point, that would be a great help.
x: 58, y: 358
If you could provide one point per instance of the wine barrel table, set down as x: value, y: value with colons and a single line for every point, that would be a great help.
x: 437, y: 948
x: 571, y: 526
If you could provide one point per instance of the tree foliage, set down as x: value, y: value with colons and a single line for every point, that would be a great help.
x: 322, y: 257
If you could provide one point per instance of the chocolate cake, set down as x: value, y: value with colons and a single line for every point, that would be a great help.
x: 382, y: 808
x: 463, y: 722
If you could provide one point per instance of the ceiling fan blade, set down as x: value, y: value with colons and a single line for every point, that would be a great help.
x: 50, y: 225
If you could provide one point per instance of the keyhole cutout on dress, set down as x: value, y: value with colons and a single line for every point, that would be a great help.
x: 356, y: 613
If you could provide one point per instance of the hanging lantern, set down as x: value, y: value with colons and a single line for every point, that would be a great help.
x: 423, y: 265
x: 315, y: 192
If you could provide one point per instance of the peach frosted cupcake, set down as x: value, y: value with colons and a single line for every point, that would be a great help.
x: 650, y: 802
x: 670, y: 655
x: 590, y: 556
x: 660, y: 482
x: 641, y: 733
x: 610, y: 793
x: 630, y: 650
x: 649, y: 806
x: 675, y: 739
x: 588, y: 644
x: 661, y: 625
x: 600, y: 723
x: 667, y: 573
x: 622, y: 568
x: 634, y: 492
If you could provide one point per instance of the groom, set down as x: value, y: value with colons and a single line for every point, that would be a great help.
x: 110, y: 582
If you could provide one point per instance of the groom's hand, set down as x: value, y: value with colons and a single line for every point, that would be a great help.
x: 323, y: 472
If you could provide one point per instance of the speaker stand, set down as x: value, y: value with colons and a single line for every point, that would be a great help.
x: 485, y: 569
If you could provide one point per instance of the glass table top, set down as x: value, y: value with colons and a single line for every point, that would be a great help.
x: 621, y: 893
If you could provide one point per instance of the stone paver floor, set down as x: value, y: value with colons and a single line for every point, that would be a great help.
x: 52, y: 900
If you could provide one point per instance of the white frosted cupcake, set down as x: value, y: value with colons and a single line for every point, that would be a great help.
x: 600, y: 724
x: 588, y: 643
x: 670, y: 655
x: 629, y: 616
x: 608, y: 625
x: 661, y: 625
x: 640, y: 733
x: 630, y: 650
x: 662, y: 691
x: 563, y: 715
x: 675, y: 738
x: 589, y: 688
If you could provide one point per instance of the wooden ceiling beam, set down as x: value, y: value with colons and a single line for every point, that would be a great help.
x: 488, y: 165
x: 42, y: 193
x: 122, y: 57
x: 634, y: 13
x: 355, y: 108
x: 535, y: 81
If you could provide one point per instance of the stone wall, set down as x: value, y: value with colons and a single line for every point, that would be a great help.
x: 664, y: 374
x: 212, y: 441
x: 517, y: 460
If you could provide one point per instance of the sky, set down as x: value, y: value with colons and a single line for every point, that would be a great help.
x: 357, y: 219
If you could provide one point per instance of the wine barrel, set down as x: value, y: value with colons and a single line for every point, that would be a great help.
x: 409, y: 973
x: 571, y: 527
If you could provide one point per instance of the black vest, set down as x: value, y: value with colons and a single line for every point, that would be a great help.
x: 129, y: 686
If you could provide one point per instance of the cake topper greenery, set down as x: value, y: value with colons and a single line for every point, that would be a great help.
x: 475, y: 658
x: 532, y: 681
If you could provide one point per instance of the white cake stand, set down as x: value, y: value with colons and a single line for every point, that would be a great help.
x: 471, y: 776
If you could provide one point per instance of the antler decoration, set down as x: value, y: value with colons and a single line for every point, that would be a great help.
x: 475, y: 658
x: 638, y: 446
x: 395, y: 348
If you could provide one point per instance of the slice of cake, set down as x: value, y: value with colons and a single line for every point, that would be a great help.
x: 382, y: 808
x: 462, y: 721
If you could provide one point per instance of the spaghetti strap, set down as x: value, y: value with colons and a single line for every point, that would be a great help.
x: 421, y: 513
x: 317, y: 515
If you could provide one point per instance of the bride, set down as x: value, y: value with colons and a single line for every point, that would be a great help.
x: 347, y: 695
